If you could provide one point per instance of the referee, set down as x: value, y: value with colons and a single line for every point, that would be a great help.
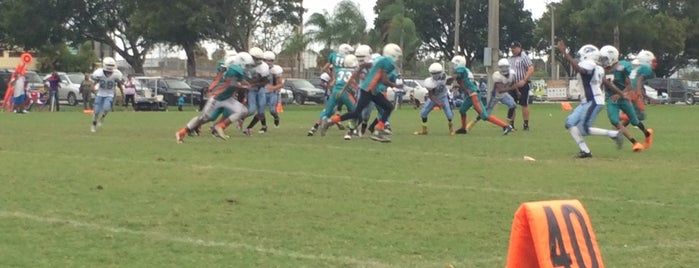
x: 523, y: 70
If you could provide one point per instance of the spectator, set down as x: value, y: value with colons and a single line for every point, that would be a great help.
x: 523, y: 70
x: 54, y: 83
x: 204, y: 92
x: 483, y: 90
x: 180, y: 102
x: 86, y: 89
x: 118, y: 97
x: 130, y: 92
x: 399, y: 93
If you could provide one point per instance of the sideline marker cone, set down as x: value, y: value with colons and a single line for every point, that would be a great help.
x: 554, y: 233
x: 566, y: 106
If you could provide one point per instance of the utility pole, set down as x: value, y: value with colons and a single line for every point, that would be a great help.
x: 554, y: 67
x: 299, y: 29
x: 457, y: 25
x: 493, y: 37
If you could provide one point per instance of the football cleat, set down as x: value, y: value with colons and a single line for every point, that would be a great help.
x: 179, y: 137
x: 263, y: 130
x: 507, y: 129
x: 380, y: 137
x: 582, y: 154
x: 312, y: 132
x: 461, y: 131
x: 93, y: 128
x: 649, y: 139
x: 637, y: 147
x: 221, y: 134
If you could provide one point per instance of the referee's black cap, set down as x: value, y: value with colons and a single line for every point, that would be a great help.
x: 515, y: 44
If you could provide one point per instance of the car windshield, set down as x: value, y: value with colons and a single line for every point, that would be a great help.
x: 33, y: 77
x: 174, y: 83
x: 301, y: 83
x: 76, y: 78
x: 688, y: 84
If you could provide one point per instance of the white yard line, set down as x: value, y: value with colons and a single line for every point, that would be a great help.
x: 191, y: 240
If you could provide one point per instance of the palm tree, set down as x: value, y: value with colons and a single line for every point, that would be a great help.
x: 345, y: 25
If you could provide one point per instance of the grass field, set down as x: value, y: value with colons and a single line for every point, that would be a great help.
x: 129, y: 196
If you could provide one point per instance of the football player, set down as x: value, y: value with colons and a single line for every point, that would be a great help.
x: 617, y: 93
x: 464, y: 81
x: 378, y: 74
x: 643, y: 67
x: 503, y: 82
x: 579, y: 122
x: 107, y: 79
x: 437, y: 95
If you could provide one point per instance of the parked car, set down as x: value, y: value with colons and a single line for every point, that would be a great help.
x: 170, y: 89
x: 303, y: 91
x: 4, y: 79
x: 411, y: 87
x: 70, y: 87
x: 677, y: 90
x: 654, y: 97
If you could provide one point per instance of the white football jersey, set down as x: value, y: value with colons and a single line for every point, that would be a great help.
x: 439, y: 86
x: 507, y: 80
x: 106, y: 84
x: 595, y: 82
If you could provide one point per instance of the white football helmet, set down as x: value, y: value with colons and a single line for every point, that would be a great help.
x: 325, y: 77
x: 245, y: 60
x: 276, y: 70
x: 436, y: 68
x: 646, y: 57
x: 584, y: 51
x: 269, y: 56
x: 257, y: 54
x: 608, y: 56
x: 344, y: 49
x: 375, y: 56
x: 504, y: 66
x: 363, y: 53
x: 350, y: 61
x: 393, y: 51
x: 109, y: 64
x: 458, y: 60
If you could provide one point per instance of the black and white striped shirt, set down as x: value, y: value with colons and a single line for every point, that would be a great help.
x: 520, y: 64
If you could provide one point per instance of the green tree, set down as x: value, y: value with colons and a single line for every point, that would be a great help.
x: 33, y: 24
x: 238, y: 20
x: 399, y: 29
x: 434, y: 24
x: 345, y: 25
x: 60, y: 57
x: 625, y: 25
x: 110, y: 22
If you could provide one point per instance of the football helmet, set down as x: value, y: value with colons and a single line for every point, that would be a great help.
x: 393, y: 51
x: 350, y: 61
x: 458, y: 60
x: 109, y: 64
x: 345, y: 49
x: 245, y: 60
x: 276, y: 70
x: 584, y: 51
x: 269, y: 56
x: 257, y: 54
x: 608, y: 56
x: 363, y: 53
x: 504, y: 66
x: 646, y: 57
